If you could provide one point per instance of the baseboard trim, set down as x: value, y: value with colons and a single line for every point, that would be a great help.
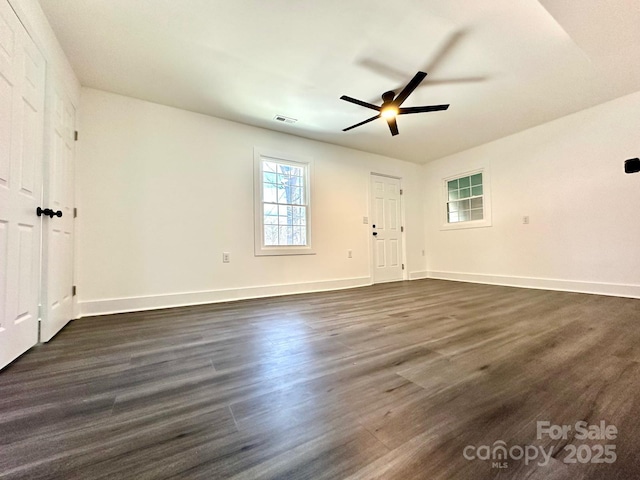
x: 92, y: 308
x: 418, y: 275
x: 610, y: 289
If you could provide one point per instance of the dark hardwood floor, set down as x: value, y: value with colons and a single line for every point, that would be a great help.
x: 390, y: 381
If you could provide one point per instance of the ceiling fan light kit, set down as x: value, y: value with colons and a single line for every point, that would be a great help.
x: 391, y: 103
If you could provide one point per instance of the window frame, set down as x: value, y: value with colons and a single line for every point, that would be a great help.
x: 260, y: 249
x: 486, y: 201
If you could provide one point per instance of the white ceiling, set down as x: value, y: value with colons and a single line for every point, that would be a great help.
x: 503, y: 65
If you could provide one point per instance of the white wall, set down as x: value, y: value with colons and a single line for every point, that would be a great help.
x: 163, y: 192
x: 568, y: 176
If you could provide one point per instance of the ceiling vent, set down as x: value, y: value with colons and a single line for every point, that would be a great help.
x: 283, y: 119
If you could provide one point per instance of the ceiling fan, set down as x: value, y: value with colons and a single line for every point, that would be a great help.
x: 390, y: 107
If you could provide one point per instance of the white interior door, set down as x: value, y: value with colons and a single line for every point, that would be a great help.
x: 57, y: 235
x: 22, y: 70
x: 386, y: 228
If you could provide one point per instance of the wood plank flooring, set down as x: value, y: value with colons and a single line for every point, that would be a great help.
x: 390, y: 381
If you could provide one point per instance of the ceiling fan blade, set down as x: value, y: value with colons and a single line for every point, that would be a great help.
x: 393, y: 126
x: 411, y: 86
x: 446, y: 48
x: 447, y: 81
x: 429, y: 108
x: 359, y: 102
x: 361, y: 123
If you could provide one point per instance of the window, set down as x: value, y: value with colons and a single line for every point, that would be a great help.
x: 282, y: 205
x: 466, y: 200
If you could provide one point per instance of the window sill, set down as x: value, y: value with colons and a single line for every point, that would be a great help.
x: 464, y: 225
x: 282, y: 251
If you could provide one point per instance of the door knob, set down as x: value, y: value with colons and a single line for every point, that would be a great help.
x: 47, y: 211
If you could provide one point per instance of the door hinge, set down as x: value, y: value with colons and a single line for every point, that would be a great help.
x: 402, y: 229
x: 403, y: 266
x: 39, y: 314
x: 75, y: 212
x: 401, y: 191
x: 75, y: 135
x: 74, y: 291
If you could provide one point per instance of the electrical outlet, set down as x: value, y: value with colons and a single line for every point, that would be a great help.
x: 525, y: 220
x: 423, y: 253
x: 225, y: 257
x: 349, y: 254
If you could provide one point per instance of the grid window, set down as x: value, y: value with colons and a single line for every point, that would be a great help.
x: 465, y: 199
x: 285, y: 208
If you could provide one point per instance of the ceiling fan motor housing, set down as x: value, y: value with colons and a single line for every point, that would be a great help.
x: 391, y: 103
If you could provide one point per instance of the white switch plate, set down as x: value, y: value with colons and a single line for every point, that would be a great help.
x: 349, y: 254
x: 365, y: 220
x: 225, y: 257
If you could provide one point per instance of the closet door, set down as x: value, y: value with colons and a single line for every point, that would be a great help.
x: 22, y: 76
x: 57, y: 235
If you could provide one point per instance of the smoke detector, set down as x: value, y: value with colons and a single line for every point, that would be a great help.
x: 283, y: 119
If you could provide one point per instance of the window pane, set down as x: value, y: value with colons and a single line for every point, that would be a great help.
x: 285, y: 169
x: 299, y: 236
x: 299, y: 215
x: 457, y: 206
x: 465, y: 201
x: 282, y: 194
x: 270, y: 220
x: 271, y: 235
x: 285, y: 213
x: 289, y: 195
x: 476, y: 214
x: 295, y: 181
x: 285, y: 236
x: 296, y: 196
x: 297, y: 171
x: 284, y: 199
x: 269, y: 193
